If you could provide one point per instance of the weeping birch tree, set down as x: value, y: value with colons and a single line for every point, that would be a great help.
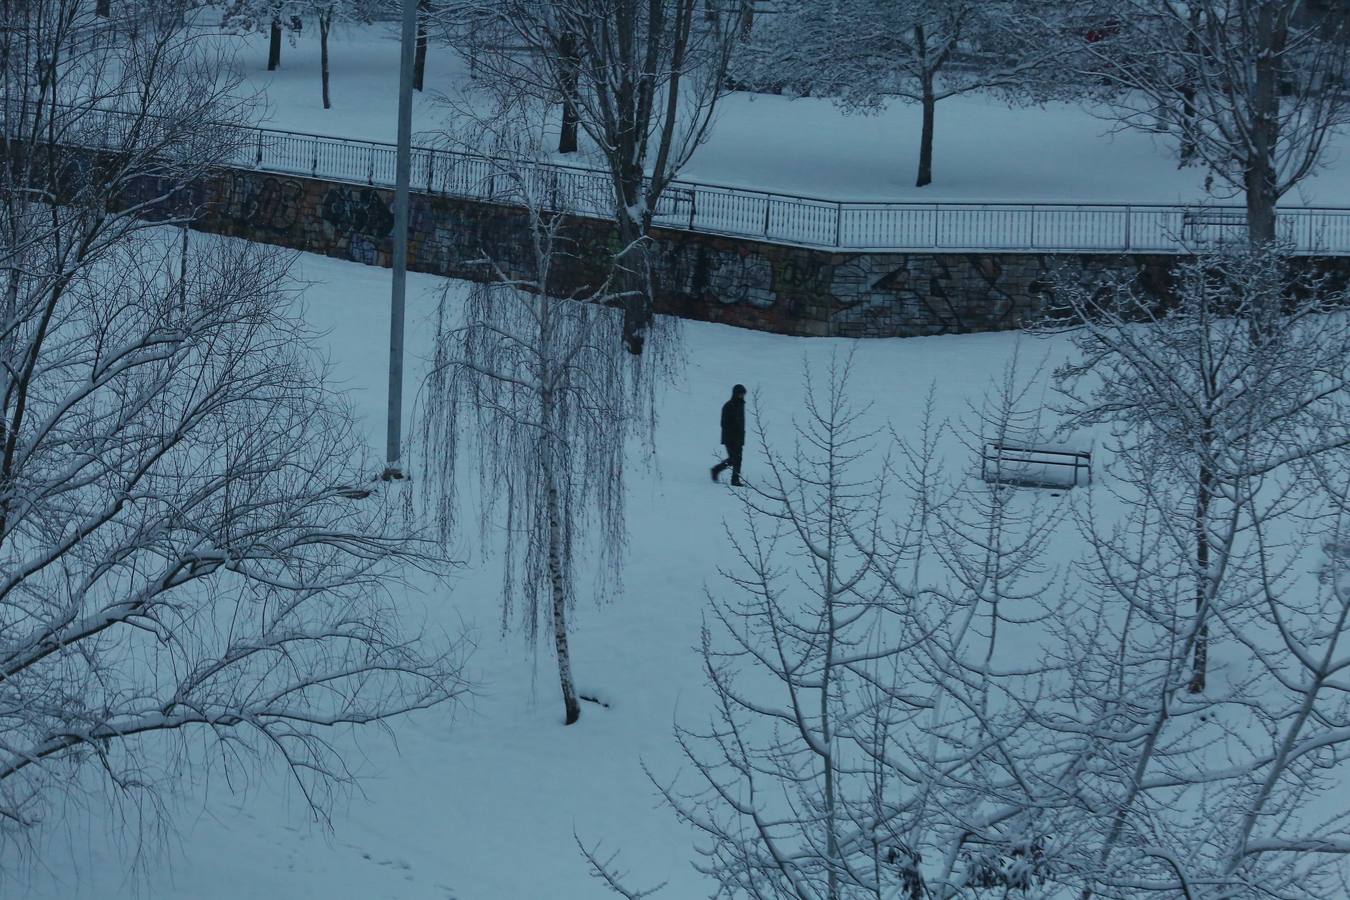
x: 531, y: 389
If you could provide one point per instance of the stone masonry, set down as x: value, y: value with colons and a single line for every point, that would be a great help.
x: 772, y: 287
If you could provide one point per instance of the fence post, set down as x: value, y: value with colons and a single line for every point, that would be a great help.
x: 1129, y: 218
x: 431, y: 168
x: 257, y: 162
x: 838, y: 224
x: 314, y: 158
x: 693, y: 206
x: 768, y: 205
x: 370, y: 166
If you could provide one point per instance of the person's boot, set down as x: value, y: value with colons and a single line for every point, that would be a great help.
x: 736, y: 481
x: 716, y: 471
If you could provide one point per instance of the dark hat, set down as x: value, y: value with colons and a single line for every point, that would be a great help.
x: 738, y: 389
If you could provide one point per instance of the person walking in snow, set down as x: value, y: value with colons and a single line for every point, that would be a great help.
x: 733, y: 435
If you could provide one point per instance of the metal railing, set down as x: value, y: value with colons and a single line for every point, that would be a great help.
x: 787, y: 218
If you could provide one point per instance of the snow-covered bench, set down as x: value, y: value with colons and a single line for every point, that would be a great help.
x: 1026, y: 466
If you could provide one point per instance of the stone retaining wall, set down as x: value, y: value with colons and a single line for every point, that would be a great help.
x: 772, y: 287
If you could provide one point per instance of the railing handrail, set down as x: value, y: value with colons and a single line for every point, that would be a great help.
x: 809, y: 198
x: 388, y: 146
x: 1066, y: 226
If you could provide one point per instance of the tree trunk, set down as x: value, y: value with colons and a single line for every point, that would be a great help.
x: 274, y: 46
x: 929, y: 107
x: 325, y: 22
x: 571, y: 706
x: 571, y: 73
x: 926, y: 136
x: 1203, y: 496
x: 420, y: 58
x: 103, y: 8
x: 633, y: 282
x: 1260, y: 177
x: 826, y: 686
x: 182, y: 273
x: 1188, y: 148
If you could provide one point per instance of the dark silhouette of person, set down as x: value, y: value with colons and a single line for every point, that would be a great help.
x: 733, y: 435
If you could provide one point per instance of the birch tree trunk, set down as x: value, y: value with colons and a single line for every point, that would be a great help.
x: 571, y: 707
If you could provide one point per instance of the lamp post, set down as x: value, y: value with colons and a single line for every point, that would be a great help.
x: 402, y: 175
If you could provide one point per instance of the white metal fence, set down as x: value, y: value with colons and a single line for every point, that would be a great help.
x: 793, y: 219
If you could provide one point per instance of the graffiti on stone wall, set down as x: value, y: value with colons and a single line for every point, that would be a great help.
x: 874, y: 285
x: 997, y: 304
x: 734, y: 276
x: 778, y: 288
x: 163, y: 197
x: 934, y: 293
x: 433, y: 232
x: 358, y: 217
x: 266, y: 202
x: 452, y: 239
x: 725, y: 274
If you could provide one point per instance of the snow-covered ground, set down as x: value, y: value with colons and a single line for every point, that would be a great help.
x: 984, y: 150
x: 483, y: 806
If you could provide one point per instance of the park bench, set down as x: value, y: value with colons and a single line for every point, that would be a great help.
x: 675, y: 203
x: 1203, y: 224
x: 1030, y: 466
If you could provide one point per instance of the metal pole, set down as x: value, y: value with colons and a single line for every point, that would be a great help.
x: 402, y: 175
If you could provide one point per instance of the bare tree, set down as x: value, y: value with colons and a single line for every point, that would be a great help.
x: 640, y: 78
x: 530, y: 386
x: 1252, y: 87
x: 1245, y: 376
x: 189, y: 571
x: 328, y: 13
x: 1223, y: 412
x: 862, y: 53
x: 255, y: 15
x: 862, y: 743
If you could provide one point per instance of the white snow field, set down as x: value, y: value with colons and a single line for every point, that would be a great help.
x: 483, y: 806
x: 984, y: 150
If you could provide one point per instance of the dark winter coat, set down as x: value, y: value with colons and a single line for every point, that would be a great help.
x: 733, y: 422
